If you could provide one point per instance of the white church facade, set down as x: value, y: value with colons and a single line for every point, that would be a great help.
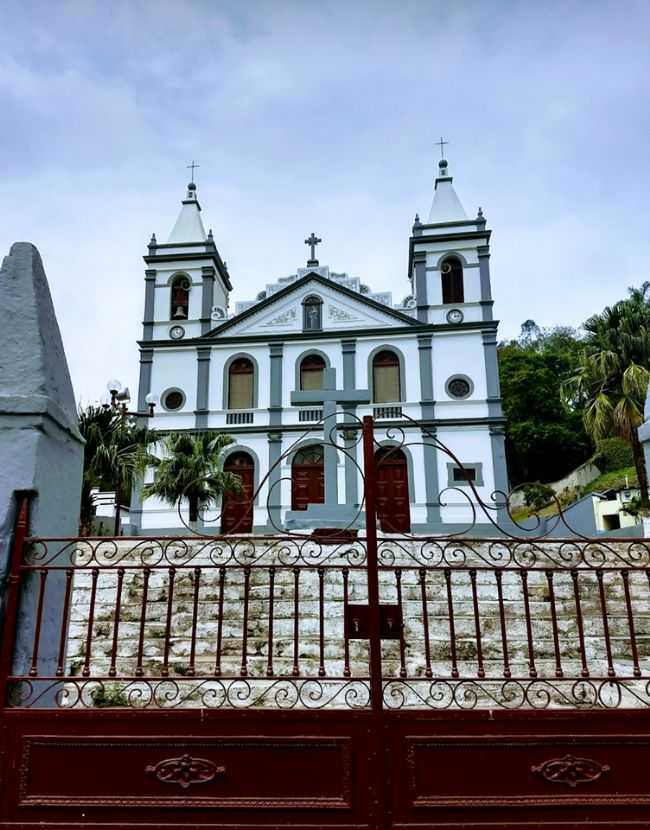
x: 319, y: 342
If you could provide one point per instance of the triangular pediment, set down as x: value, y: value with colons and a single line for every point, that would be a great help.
x: 342, y: 310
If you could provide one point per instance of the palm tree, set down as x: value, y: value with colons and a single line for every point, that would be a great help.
x: 611, y: 382
x: 116, y: 449
x: 192, y: 468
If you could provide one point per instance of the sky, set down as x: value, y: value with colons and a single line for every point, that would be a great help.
x: 322, y: 117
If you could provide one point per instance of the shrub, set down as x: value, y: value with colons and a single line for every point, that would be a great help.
x: 613, y: 454
x: 537, y: 495
x: 110, y: 695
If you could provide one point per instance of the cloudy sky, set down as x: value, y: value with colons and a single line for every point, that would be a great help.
x: 322, y: 116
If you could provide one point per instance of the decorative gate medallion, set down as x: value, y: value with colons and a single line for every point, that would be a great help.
x: 571, y: 770
x: 185, y: 770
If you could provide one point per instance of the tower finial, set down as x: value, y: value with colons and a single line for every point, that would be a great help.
x: 192, y: 167
x: 442, y: 144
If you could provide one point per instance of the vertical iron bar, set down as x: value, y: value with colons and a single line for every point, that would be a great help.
x: 222, y: 585
x: 116, y: 624
x: 402, y: 645
x: 630, y: 621
x: 532, y: 671
x: 346, y: 643
x: 556, y: 635
x: 296, y: 628
x: 452, y: 627
x: 477, y: 624
x: 243, y: 671
x: 13, y: 588
x: 581, y: 633
x: 321, y: 627
x: 498, y: 575
x: 33, y: 671
x: 195, y: 613
x: 139, y: 671
x: 603, y: 610
x: 269, y: 660
x: 425, y: 621
x: 69, y: 573
x: 91, y: 617
x: 168, y: 622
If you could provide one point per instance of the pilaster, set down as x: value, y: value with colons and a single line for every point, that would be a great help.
x: 421, y: 300
x: 275, y: 483
x: 492, y: 373
x: 426, y: 376
x: 484, y: 276
x: 431, y: 480
x: 275, y: 408
x: 207, y: 297
x: 149, y: 303
x: 202, y: 386
x: 498, y: 445
x: 144, y: 383
x: 349, y: 350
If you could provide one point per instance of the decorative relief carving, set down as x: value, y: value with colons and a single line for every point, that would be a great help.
x: 282, y: 319
x: 185, y: 771
x: 571, y: 770
x: 340, y: 314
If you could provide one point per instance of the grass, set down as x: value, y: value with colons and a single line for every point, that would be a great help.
x: 614, y: 480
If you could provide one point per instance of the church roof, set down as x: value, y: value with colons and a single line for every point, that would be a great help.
x: 295, y: 286
x: 446, y: 206
x: 188, y: 227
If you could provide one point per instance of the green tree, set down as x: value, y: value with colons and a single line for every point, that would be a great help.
x: 611, y: 381
x: 545, y: 436
x: 192, y: 468
x: 116, y: 448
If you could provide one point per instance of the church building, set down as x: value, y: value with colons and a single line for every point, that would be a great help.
x: 320, y: 348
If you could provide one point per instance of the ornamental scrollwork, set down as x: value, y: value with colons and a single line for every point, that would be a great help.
x: 570, y: 770
x: 185, y: 771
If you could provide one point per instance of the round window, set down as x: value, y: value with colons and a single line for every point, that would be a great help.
x: 459, y: 387
x: 174, y: 399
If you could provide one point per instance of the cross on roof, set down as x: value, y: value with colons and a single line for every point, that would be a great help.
x: 312, y: 241
x: 192, y: 166
x: 442, y: 144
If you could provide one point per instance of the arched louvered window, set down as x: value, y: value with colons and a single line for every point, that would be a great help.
x: 385, y: 377
x: 452, y: 281
x: 312, y: 314
x: 180, y: 298
x: 240, y: 384
x: 312, y: 369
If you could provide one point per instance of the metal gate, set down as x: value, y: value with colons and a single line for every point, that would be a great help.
x: 331, y: 680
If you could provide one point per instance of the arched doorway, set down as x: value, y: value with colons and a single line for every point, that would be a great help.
x: 393, y: 502
x: 307, y: 478
x: 237, y: 508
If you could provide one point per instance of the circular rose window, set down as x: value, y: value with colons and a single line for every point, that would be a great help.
x: 174, y: 399
x: 459, y: 387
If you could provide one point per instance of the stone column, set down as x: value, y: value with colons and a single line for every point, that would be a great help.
x: 40, y: 444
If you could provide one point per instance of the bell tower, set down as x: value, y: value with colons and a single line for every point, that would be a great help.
x: 185, y: 279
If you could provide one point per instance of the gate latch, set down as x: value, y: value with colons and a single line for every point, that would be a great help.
x: 357, y: 622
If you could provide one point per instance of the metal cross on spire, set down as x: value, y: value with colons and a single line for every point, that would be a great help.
x: 312, y: 241
x: 442, y: 144
x: 192, y: 166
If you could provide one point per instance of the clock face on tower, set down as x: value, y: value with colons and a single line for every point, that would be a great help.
x: 176, y: 332
x: 455, y: 316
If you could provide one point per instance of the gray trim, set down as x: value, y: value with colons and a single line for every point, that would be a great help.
x: 202, y: 386
x: 387, y: 347
x: 180, y: 273
x: 149, y: 303
x: 275, y: 402
x: 475, y: 465
x: 226, y: 379
x: 420, y: 279
x: 299, y: 360
x: 144, y: 383
x: 426, y: 375
x: 492, y: 373
x: 500, y: 471
x: 233, y: 448
x: 274, y: 499
x: 451, y: 253
x: 459, y: 376
x: 166, y: 392
x: 211, y: 254
x: 484, y: 265
x: 431, y: 480
x: 207, y: 297
x: 349, y: 352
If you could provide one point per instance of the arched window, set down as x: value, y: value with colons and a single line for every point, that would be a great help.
x: 385, y: 377
x: 180, y: 298
x: 452, y: 281
x: 240, y: 384
x: 312, y: 315
x: 312, y: 370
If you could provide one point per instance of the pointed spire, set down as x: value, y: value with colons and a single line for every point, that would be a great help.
x: 446, y: 206
x: 188, y: 227
x: 152, y: 241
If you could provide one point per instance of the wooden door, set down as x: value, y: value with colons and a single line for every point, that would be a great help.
x: 393, y: 503
x: 307, y: 478
x: 237, y: 508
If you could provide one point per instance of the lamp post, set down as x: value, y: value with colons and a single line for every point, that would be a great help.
x: 120, y: 399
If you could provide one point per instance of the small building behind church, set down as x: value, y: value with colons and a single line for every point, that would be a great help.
x: 268, y: 370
